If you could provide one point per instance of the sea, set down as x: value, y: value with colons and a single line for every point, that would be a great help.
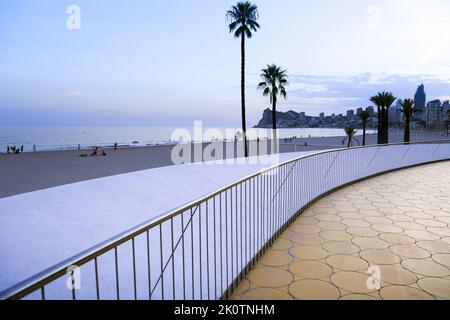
x: 69, y: 138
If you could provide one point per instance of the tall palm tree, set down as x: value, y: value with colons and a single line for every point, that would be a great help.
x: 364, y: 116
x: 376, y: 100
x: 274, y: 82
x: 350, y: 133
x: 388, y: 99
x: 243, y: 20
x: 383, y: 101
x: 408, y: 111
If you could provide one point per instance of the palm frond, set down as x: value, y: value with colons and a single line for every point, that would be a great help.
x: 364, y: 116
x: 274, y: 82
x: 408, y: 109
x: 243, y: 19
x: 233, y: 25
x: 350, y: 133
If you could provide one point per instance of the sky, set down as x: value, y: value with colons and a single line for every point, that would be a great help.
x: 160, y: 62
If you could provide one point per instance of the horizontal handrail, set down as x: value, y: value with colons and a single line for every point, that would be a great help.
x: 47, y: 276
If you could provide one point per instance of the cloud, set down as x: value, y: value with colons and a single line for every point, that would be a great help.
x: 337, y: 94
x: 308, y: 87
x: 444, y: 98
x: 326, y: 100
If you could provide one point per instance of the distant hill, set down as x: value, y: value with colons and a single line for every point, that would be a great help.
x: 290, y: 119
x: 293, y: 119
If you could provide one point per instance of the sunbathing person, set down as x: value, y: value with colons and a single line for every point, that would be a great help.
x: 95, y: 152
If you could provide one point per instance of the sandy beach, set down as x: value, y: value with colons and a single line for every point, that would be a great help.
x: 35, y: 171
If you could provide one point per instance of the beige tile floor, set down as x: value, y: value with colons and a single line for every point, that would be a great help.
x: 396, y: 224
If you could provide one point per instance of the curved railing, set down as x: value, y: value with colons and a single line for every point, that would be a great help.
x: 202, y: 250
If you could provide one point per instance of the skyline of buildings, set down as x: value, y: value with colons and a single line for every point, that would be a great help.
x: 433, y: 114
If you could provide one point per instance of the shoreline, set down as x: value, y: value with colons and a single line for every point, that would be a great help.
x: 32, y: 171
x: 126, y: 137
x: 415, y: 135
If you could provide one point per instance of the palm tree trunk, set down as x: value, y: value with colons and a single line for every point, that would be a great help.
x: 244, y: 125
x: 386, y: 126
x: 379, y: 125
x: 364, y: 134
x: 275, y: 141
x: 407, y: 137
x: 383, y: 125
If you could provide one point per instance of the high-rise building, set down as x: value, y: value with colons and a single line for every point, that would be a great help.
x: 445, y: 108
x: 394, y: 113
x: 350, y: 114
x: 371, y: 110
x: 434, y: 112
x: 359, y: 111
x: 446, y: 115
x: 420, y: 100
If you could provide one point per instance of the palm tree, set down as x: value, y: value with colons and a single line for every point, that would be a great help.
x: 388, y: 99
x: 408, y: 111
x: 243, y: 17
x: 274, y: 82
x: 383, y: 101
x: 350, y: 132
x: 378, y: 102
x: 448, y: 122
x: 364, y: 116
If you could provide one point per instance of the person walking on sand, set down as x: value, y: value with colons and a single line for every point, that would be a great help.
x: 34, y: 148
x: 7, y: 150
x: 21, y: 148
x: 115, y: 146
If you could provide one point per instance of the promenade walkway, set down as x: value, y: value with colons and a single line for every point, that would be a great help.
x: 395, y: 228
x: 78, y: 216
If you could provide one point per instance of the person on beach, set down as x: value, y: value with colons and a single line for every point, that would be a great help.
x: 7, y: 150
x: 115, y: 146
x: 103, y: 153
x: 95, y: 152
x: 21, y: 148
x: 34, y: 148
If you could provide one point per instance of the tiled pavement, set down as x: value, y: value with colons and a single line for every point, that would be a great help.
x: 397, y: 223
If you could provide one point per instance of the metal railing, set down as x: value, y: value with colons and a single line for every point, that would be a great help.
x: 203, y: 250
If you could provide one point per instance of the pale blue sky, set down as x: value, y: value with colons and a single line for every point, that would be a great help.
x: 159, y: 62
